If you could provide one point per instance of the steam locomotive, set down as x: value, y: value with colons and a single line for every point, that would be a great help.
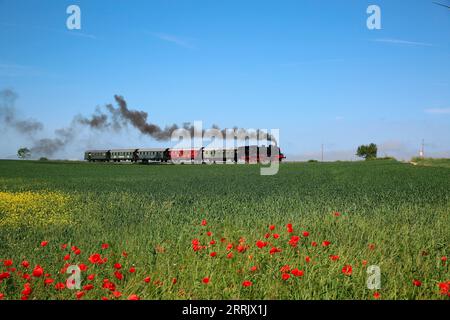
x: 247, y: 154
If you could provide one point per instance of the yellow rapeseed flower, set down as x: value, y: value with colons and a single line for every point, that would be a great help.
x: 34, y: 209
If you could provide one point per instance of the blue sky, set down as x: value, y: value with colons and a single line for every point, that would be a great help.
x: 309, y: 68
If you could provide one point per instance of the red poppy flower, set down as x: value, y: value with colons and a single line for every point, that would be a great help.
x: 132, y: 270
x: 108, y: 285
x: 25, y: 264
x: 240, y: 248
x: 314, y: 244
x: 247, y: 283
x: 334, y: 257
x: 105, y: 246
x: 67, y: 257
x: 7, y: 263
x: 82, y: 267
x: 212, y: 242
x: 48, y: 281
x: 285, y: 268
x: 337, y: 214
x: 79, y: 294
x: 376, y: 295
x: 444, y: 288
x: 118, y: 275
x: 372, y: 246
x: 104, y: 298
x: 24, y: 298
x: 230, y: 255
x: 44, y: 243
x: 326, y: 243
x: 147, y: 279
x: 285, y: 276
x: 60, y: 286
x: 204, y: 223
x: 305, y: 233
x: 25, y: 276
x: 307, y: 259
x: 261, y: 244
x: 174, y: 280
x: 444, y: 259
x: 88, y: 287
x: 229, y: 246
x: 364, y: 262
x: 297, y: 273
x: 417, y: 283
x: 294, y: 241
x: 209, y: 233
x: 27, y: 289
x: 254, y: 268
x: 91, y: 277
x: 117, y: 294
x: 271, y: 227
x: 2, y: 296
x: 205, y: 280
x: 77, y: 252
x: 38, y: 271
x: 267, y: 235
x: 124, y: 254
x: 213, y: 254
x: 347, y: 270
x: 117, y: 266
x: 95, y: 258
x: 276, y: 235
x: 4, y: 275
x: 195, y: 244
x: 134, y: 297
x: 64, y: 246
x: 289, y: 227
x: 274, y: 250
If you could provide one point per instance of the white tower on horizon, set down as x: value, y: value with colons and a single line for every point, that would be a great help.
x: 422, y: 149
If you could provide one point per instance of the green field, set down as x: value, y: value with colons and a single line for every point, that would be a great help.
x: 393, y: 215
x: 430, y: 162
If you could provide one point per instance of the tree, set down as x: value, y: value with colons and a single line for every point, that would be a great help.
x: 367, y: 152
x: 24, y: 153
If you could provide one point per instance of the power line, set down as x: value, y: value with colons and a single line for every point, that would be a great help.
x: 443, y: 5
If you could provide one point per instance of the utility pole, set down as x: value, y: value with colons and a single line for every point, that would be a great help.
x: 322, y: 151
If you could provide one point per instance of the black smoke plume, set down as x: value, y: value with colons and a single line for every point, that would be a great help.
x: 111, y: 119
x: 121, y: 116
x: 9, y: 117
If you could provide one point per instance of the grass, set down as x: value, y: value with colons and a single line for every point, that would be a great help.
x: 432, y: 162
x: 392, y: 215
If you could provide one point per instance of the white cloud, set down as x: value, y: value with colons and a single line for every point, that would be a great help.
x: 438, y: 110
x: 182, y: 42
x: 403, y: 42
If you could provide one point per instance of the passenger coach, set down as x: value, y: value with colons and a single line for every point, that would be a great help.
x: 247, y: 154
